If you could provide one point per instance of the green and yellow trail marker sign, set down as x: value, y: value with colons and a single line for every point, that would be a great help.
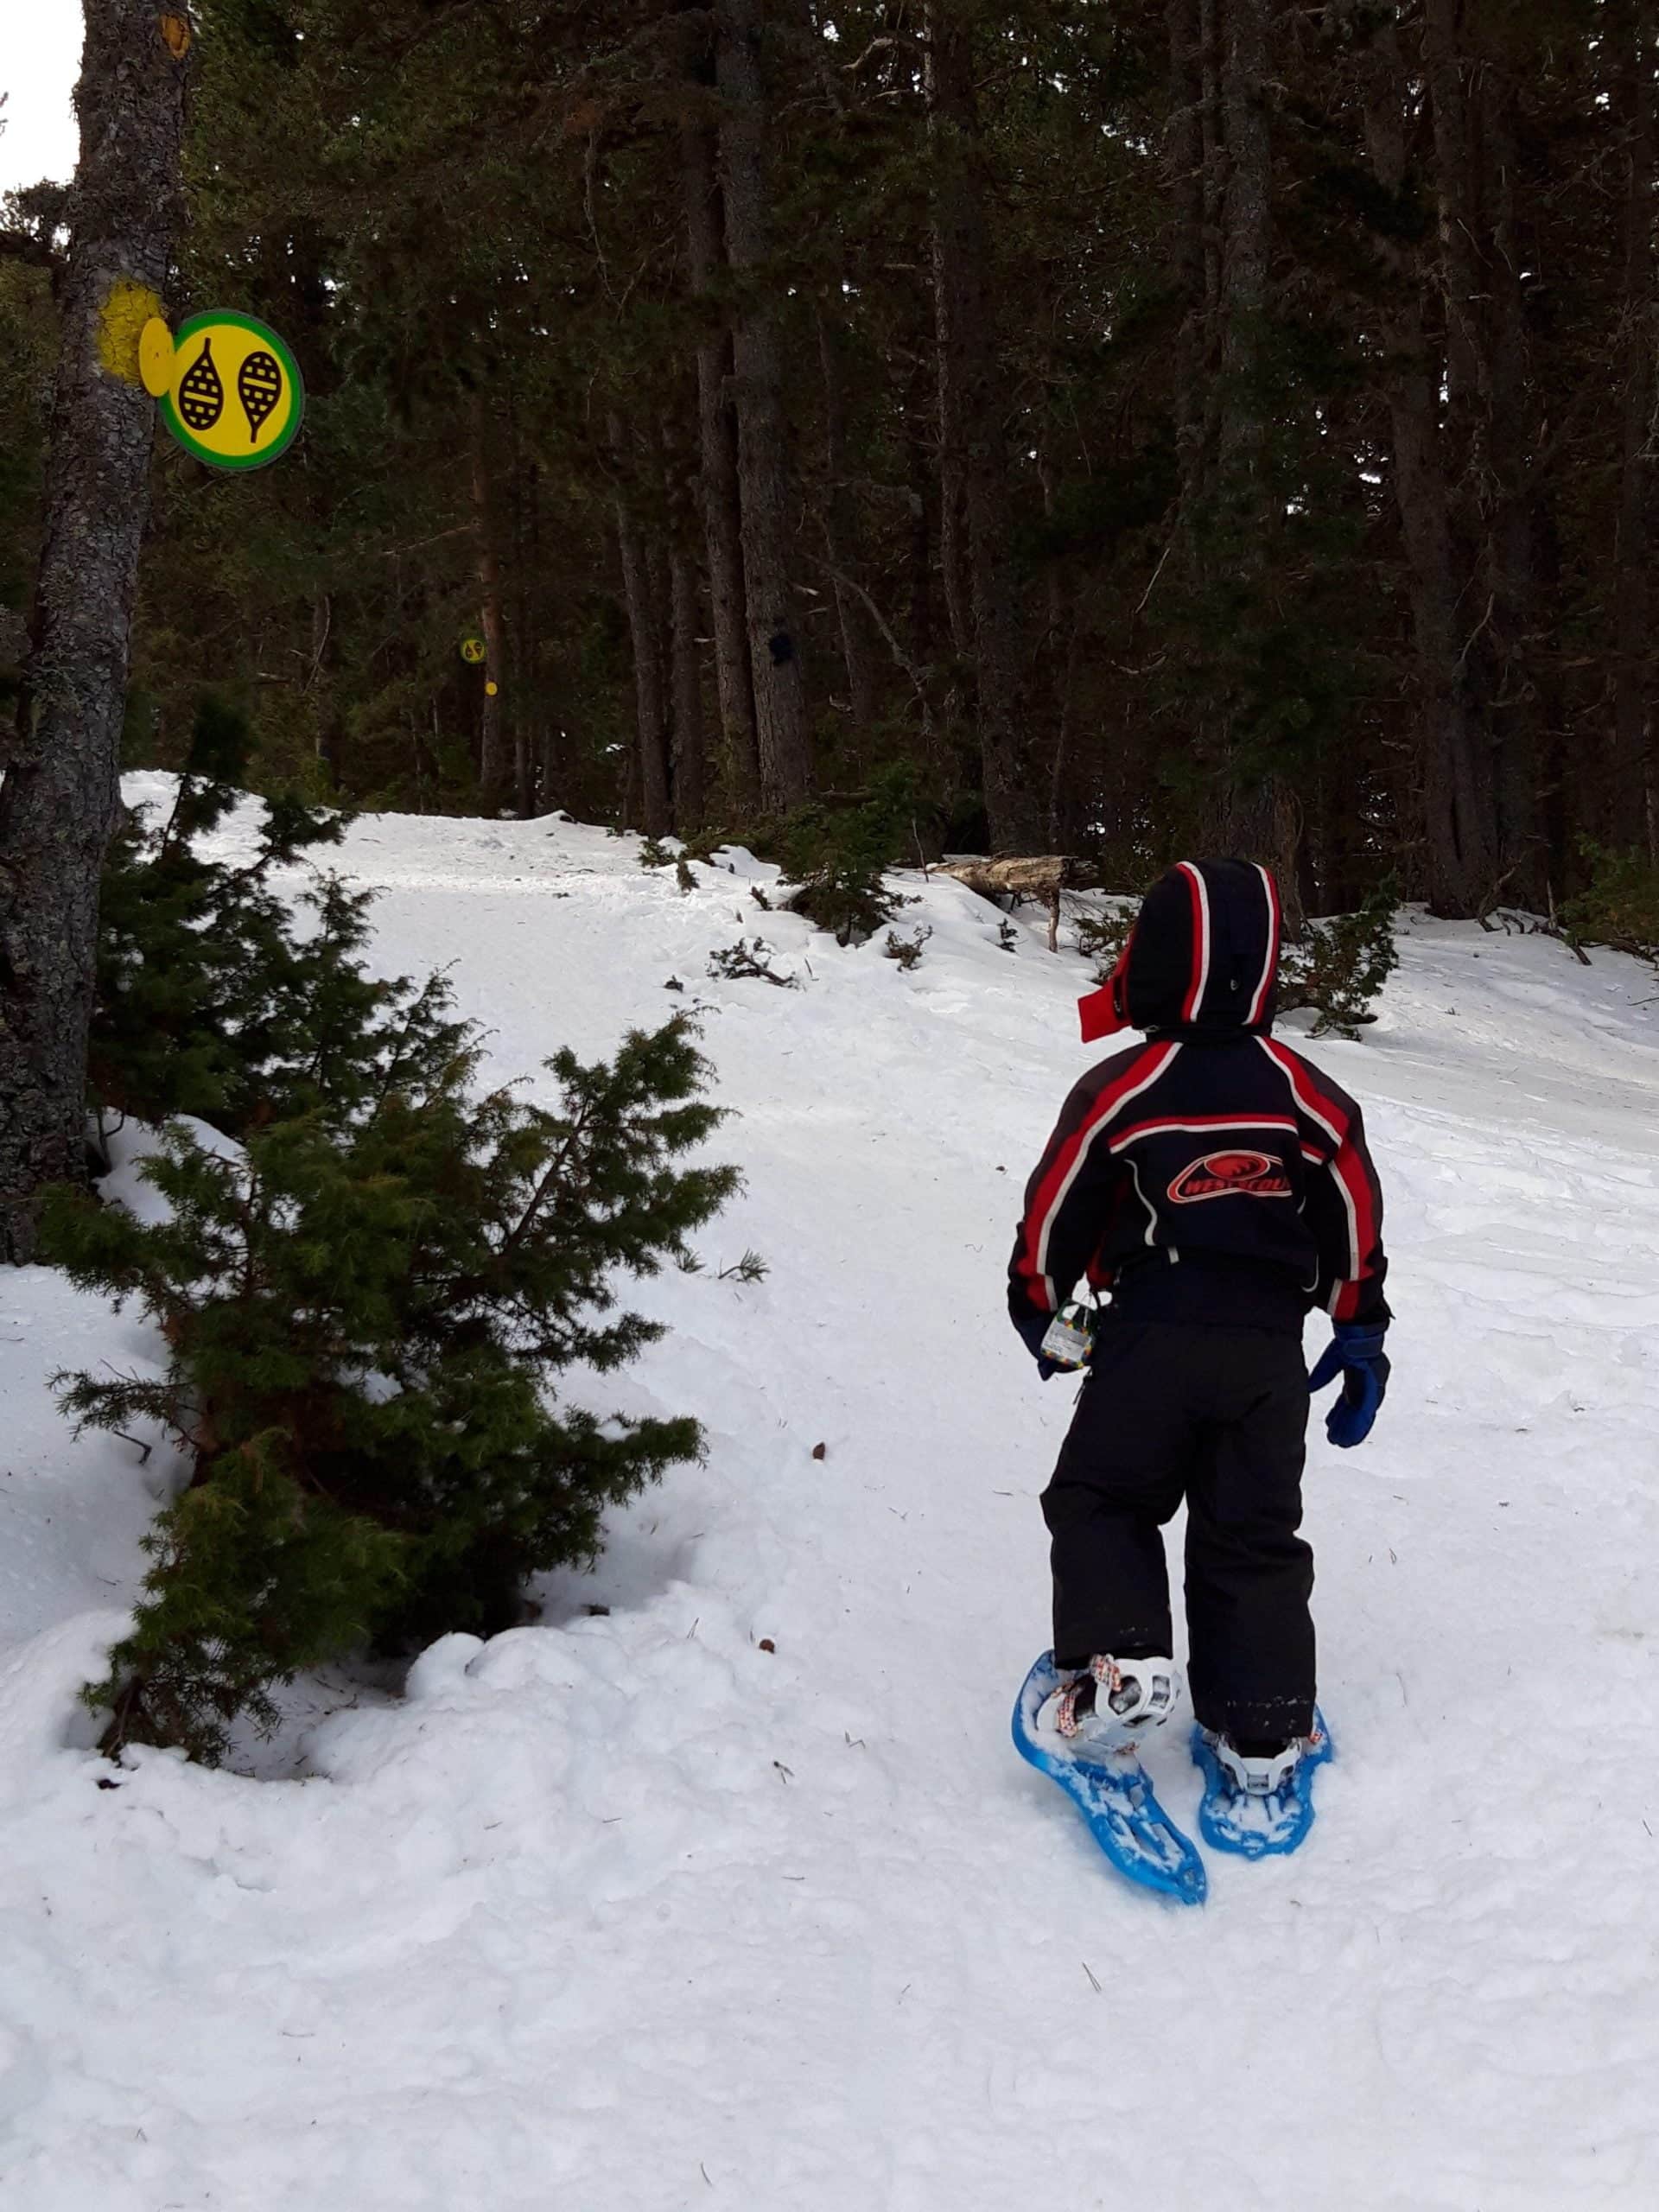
x: 473, y: 650
x: 234, y: 395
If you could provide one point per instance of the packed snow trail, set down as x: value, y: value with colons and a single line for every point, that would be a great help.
x: 625, y: 1913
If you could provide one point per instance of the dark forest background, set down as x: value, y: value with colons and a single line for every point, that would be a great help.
x: 1164, y: 423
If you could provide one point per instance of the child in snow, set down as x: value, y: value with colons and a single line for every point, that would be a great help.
x: 1219, y: 1186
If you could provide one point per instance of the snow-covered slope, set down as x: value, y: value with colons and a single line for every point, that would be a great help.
x: 627, y: 1913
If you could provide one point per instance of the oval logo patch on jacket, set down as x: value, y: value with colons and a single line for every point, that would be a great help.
x: 1230, y: 1175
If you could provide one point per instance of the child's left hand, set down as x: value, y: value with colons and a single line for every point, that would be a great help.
x: 1356, y: 1353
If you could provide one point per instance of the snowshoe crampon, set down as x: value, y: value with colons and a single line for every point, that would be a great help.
x: 1260, y: 1822
x: 1110, y: 1788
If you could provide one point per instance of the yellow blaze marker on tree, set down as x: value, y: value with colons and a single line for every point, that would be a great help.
x: 234, y: 396
x: 175, y: 30
x: 156, y: 358
x: 128, y: 311
x: 490, y: 689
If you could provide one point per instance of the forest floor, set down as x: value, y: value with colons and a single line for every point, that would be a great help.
x: 625, y: 1912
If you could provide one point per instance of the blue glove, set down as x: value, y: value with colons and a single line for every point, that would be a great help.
x: 1033, y: 1328
x: 1356, y: 1353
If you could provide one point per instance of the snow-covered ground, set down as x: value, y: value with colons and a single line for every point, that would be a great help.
x: 627, y: 1913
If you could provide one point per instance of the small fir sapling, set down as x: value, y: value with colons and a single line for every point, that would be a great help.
x: 1619, y: 905
x: 835, y: 859
x: 212, y: 1001
x: 1337, y: 968
x: 653, y: 854
x: 363, y: 1322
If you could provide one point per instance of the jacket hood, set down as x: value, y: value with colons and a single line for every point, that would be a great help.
x: 1203, y: 957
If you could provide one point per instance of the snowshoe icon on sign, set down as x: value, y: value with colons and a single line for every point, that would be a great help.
x: 260, y: 387
x: 201, y: 395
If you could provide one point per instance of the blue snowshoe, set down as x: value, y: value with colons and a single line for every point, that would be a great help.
x: 1101, y: 1773
x: 1258, y: 1808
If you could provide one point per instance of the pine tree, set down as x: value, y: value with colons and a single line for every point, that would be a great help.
x: 363, y: 1326
x: 212, y: 1000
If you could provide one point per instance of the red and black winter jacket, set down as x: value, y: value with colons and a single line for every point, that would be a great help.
x: 1211, y: 1173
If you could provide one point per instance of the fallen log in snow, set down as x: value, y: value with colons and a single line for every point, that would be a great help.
x: 1041, y: 878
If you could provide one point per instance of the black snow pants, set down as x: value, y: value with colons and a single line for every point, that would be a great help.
x: 1217, y: 1416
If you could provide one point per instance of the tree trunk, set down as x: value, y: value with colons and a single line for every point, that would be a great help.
x: 1460, y: 787
x: 1457, y: 818
x: 688, y: 751
x: 651, y: 706
x: 1518, y: 527
x: 722, y: 520
x: 923, y: 487
x: 762, y: 447
x: 495, y: 760
x: 1184, y: 179
x: 689, y: 778
x: 1247, y: 234
x: 971, y: 408
x: 521, y: 690
x: 60, y: 793
x: 1632, y: 818
x: 325, y: 716
x: 857, y: 647
x: 1255, y: 814
x: 1213, y: 153
x: 1059, y: 657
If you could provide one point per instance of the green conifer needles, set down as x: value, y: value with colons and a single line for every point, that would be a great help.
x: 362, y: 1331
x: 364, y: 1305
x: 214, y: 1001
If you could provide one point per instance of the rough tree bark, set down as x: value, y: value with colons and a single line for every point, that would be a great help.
x: 1461, y: 794
x: 1633, y: 801
x: 1255, y: 815
x: 495, y: 758
x: 857, y: 647
x: 1518, y: 536
x: 327, y: 735
x: 687, y: 749
x: 1458, y: 823
x: 1184, y: 184
x: 688, y: 767
x: 972, y: 407
x: 651, y: 702
x: 60, y: 793
x: 520, y: 688
x: 762, y: 445
x: 722, y: 519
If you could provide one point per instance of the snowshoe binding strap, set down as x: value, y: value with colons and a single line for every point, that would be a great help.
x: 1138, y: 1694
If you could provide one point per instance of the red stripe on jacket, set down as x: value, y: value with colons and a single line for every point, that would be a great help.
x: 1347, y: 1165
x: 1199, y: 1122
x: 1055, y: 1171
